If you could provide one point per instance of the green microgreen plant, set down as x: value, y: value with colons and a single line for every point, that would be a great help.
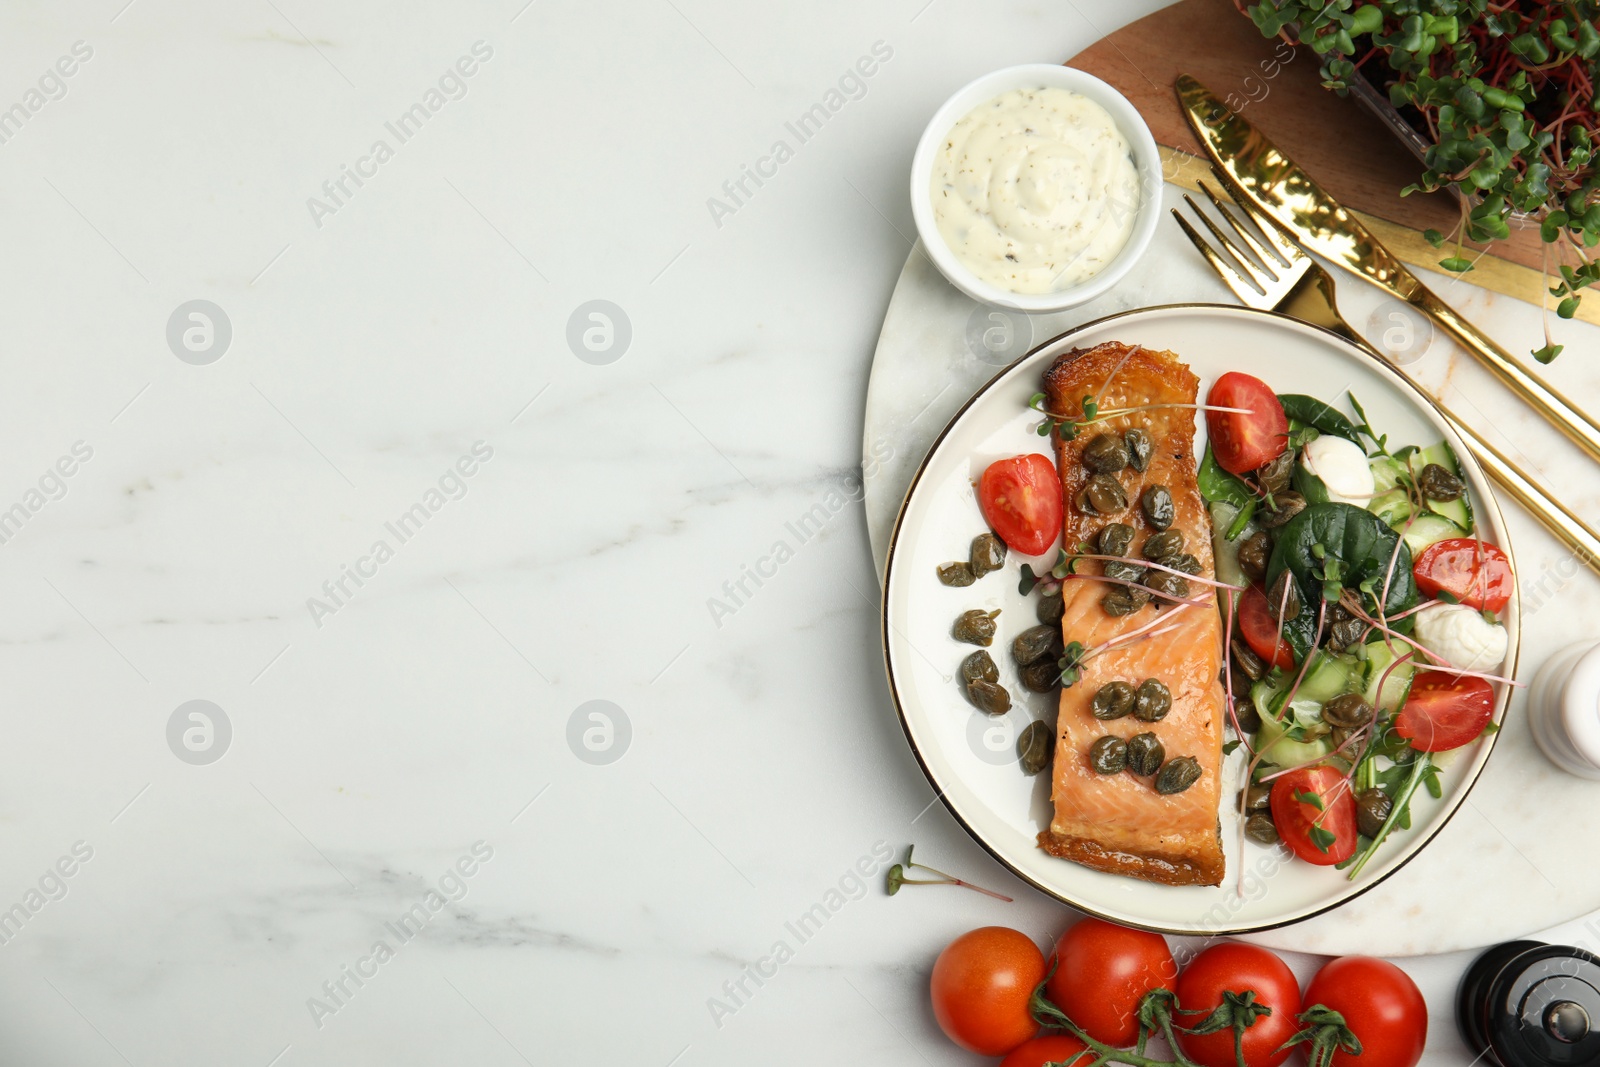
x: 1505, y: 93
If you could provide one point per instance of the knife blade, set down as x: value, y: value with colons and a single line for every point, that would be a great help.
x: 1251, y: 165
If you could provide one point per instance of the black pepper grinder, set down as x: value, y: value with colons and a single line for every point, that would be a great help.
x: 1529, y: 1004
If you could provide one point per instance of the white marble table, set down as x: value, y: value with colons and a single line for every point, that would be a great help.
x: 400, y: 745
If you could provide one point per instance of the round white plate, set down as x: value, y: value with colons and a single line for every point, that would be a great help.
x: 970, y: 758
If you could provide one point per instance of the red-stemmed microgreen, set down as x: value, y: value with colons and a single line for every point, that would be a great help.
x: 897, y: 878
x: 1068, y: 425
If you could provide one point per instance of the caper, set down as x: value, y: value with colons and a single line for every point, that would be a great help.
x: 1261, y: 829
x: 1050, y: 607
x: 1160, y: 546
x: 1156, y: 501
x: 1114, y: 539
x: 975, y: 627
x: 1274, y: 474
x: 1183, y: 561
x: 1152, y: 701
x: 1125, y: 600
x: 1256, y: 798
x: 979, y: 665
x: 1254, y: 552
x: 1033, y: 747
x: 1106, y: 454
x: 1372, y: 811
x: 1033, y: 644
x: 1139, y: 449
x: 1145, y: 753
x: 1437, y: 483
x: 1346, y: 633
x: 1178, y: 774
x: 1168, y: 585
x: 1123, y: 572
x: 1113, y: 701
x: 1283, y: 599
x: 1347, y: 710
x: 1041, y: 677
x: 1109, y: 755
x: 956, y: 574
x: 1285, y: 506
x: 1245, y: 710
x: 989, y: 697
x: 1103, y: 495
x: 1338, y: 736
x: 1245, y: 658
x: 987, y: 554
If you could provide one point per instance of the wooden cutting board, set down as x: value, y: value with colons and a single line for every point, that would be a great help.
x: 1276, y: 87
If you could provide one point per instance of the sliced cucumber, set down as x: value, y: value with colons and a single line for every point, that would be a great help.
x: 1459, y: 510
x: 1429, y: 529
x: 1386, y: 472
x: 1274, y: 747
x: 1223, y: 515
x: 1378, y: 658
x: 1329, y: 675
x: 1393, y: 506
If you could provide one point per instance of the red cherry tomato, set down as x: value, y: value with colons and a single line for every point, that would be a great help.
x: 1048, y: 1048
x: 1444, y: 711
x: 1102, y: 972
x: 1475, y: 572
x: 1241, y: 442
x: 1380, y: 1003
x: 1021, y: 499
x: 1260, y: 630
x: 1315, y: 812
x: 981, y: 986
x: 1236, y: 967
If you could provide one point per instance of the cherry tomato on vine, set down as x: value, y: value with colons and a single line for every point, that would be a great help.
x: 1260, y: 630
x: 1475, y: 572
x: 1021, y: 499
x: 1102, y: 973
x: 1381, y: 1005
x: 1243, y: 442
x: 981, y: 986
x: 1236, y: 967
x: 1046, y: 1048
x: 1444, y: 711
x: 1315, y: 812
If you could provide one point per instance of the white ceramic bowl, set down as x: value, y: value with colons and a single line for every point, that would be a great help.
x: 1033, y: 76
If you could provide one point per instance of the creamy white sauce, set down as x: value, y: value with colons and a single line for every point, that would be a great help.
x: 1035, y: 190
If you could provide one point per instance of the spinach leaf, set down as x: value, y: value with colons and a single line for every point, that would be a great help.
x: 1217, y: 484
x: 1335, y: 545
x: 1313, y: 412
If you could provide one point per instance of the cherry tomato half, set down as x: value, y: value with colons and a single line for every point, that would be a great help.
x: 1475, y: 572
x: 1444, y: 711
x: 981, y: 986
x: 1315, y: 812
x: 1102, y: 972
x: 1236, y: 967
x: 1021, y: 500
x: 1260, y: 630
x: 1047, y: 1048
x: 1380, y: 1003
x: 1242, y: 442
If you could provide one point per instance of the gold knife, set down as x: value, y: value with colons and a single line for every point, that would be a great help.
x: 1255, y: 168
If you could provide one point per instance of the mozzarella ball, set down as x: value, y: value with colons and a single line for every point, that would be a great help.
x: 1343, y: 468
x: 1462, y: 636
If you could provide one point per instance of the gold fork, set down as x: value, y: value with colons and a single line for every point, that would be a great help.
x: 1289, y: 281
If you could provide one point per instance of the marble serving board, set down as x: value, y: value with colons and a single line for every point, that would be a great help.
x: 1510, y: 862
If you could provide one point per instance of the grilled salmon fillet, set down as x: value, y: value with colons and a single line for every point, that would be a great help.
x: 1119, y: 823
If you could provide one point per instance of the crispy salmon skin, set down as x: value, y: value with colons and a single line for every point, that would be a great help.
x: 1118, y: 823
